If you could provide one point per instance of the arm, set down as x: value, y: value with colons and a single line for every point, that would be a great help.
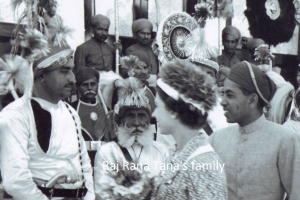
x: 288, y: 165
x: 17, y: 178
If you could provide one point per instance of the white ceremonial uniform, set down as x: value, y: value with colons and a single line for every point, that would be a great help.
x: 23, y: 160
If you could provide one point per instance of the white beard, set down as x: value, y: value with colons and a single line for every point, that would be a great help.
x: 126, y: 138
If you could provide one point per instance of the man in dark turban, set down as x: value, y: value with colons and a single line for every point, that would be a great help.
x: 261, y: 158
x: 96, y: 53
x: 142, y: 30
x: 95, y: 126
x: 230, y: 39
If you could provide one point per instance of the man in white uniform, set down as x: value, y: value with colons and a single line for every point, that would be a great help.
x: 43, y: 154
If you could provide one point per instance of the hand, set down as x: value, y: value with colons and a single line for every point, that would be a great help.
x: 118, y: 45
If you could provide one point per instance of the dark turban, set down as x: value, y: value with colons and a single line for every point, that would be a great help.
x: 240, y: 75
x: 85, y: 74
x: 233, y: 31
x: 96, y: 20
x: 140, y: 24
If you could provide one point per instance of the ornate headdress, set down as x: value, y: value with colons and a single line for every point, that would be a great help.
x: 58, y: 56
x: 174, y: 37
x: 132, y: 96
x: 183, y: 80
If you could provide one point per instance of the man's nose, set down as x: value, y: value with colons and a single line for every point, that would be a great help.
x: 72, y: 78
x: 223, y: 101
x: 136, y: 122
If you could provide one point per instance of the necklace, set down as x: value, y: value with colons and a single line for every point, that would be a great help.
x: 137, y: 158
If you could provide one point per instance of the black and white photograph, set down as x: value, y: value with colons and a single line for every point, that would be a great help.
x: 149, y: 99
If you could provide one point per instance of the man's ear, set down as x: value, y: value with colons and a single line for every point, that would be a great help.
x: 253, y: 100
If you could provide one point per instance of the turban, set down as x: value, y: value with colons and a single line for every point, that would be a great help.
x: 240, y: 75
x: 140, y: 24
x: 255, y: 42
x: 57, y: 57
x: 225, y: 71
x: 96, y: 20
x: 233, y: 31
x: 85, y: 74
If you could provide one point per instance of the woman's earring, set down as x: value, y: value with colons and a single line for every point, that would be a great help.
x: 174, y: 116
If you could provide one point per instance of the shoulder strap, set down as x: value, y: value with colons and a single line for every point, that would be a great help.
x: 200, y: 150
x: 126, y: 153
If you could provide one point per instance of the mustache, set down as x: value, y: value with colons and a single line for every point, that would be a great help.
x: 70, y: 85
x: 127, y: 136
x: 90, y: 91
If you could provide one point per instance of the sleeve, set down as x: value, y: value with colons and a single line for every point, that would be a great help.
x: 289, y: 165
x: 79, y: 58
x: 17, y: 178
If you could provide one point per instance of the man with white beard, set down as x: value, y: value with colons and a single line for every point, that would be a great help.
x: 134, y: 137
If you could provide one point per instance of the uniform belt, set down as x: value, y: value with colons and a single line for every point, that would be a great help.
x: 93, y: 145
x: 54, y: 192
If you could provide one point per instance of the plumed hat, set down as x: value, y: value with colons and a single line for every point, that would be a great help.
x: 140, y: 24
x: 185, y: 81
x: 85, y: 74
x: 253, y: 79
x: 96, y: 20
x: 132, y: 96
x: 233, y: 31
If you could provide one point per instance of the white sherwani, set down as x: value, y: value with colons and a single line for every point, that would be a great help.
x: 23, y: 160
x: 154, y: 155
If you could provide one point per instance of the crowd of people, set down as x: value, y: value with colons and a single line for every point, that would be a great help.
x: 202, y: 130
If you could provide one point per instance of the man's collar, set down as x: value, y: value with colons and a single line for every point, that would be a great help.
x: 93, y: 102
x: 228, y: 55
x: 142, y: 46
x: 257, y: 124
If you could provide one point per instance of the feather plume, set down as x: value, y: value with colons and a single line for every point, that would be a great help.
x: 201, y: 49
x: 35, y: 42
x: 15, y: 4
x: 128, y: 62
x: 190, y: 82
x: 18, y: 70
x: 60, y: 37
x: 132, y: 96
